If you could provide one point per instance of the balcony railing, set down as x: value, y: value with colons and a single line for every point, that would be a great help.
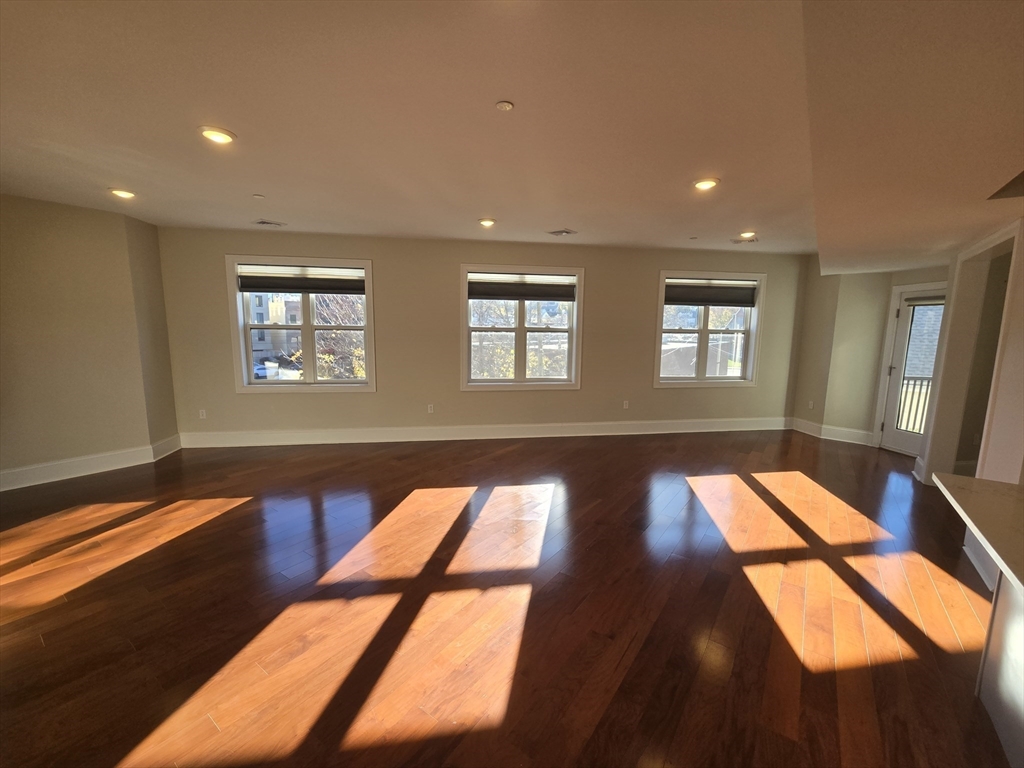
x: 914, y: 403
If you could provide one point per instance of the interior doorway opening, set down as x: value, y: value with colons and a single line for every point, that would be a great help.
x: 972, y: 424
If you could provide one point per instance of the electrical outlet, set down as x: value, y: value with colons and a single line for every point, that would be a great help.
x: 202, y: 414
x: 430, y: 408
x: 625, y: 405
x: 810, y: 405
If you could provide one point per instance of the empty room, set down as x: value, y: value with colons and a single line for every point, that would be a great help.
x: 511, y: 383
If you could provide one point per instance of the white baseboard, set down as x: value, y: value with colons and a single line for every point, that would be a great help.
x: 826, y: 432
x: 845, y: 435
x: 102, y: 462
x: 166, y: 447
x: 481, y: 432
x: 52, y: 471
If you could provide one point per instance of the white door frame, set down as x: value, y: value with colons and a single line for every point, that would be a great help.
x: 887, y: 351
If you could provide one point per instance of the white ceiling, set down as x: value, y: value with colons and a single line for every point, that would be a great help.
x: 378, y: 118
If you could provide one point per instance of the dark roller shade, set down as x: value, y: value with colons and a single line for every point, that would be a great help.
x: 716, y: 295
x: 926, y: 301
x: 296, y: 284
x: 528, y: 291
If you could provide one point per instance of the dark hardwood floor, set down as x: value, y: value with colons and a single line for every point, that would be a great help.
x: 755, y: 598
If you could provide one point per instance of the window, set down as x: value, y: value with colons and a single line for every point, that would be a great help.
x: 522, y: 327
x: 707, y: 329
x: 319, y: 305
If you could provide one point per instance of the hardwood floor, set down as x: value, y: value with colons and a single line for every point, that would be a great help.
x: 756, y: 598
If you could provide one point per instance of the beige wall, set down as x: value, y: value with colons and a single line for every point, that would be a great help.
x: 915, y: 276
x: 417, y: 319
x: 151, y: 322
x: 821, y: 299
x: 844, y: 319
x: 857, y: 350
x: 70, y: 378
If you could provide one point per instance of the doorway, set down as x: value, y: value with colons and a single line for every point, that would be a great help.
x: 911, y: 365
x: 982, y: 366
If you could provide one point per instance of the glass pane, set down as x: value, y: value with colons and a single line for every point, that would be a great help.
x: 493, y: 355
x: 728, y: 318
x: 681, y: 316
x: 340, y: 355
x: 338, y: 309
x: 276, y: 355
x: 492, y: 313
x: 917, y: 370
x: 547, y: 355
x: 275, y: 308
x: 725, y: 354
x: 548, y: 314
x: 678, y: 354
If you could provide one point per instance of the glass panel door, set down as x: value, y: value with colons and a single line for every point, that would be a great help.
x: 915, y: 344
x: 919, y: 364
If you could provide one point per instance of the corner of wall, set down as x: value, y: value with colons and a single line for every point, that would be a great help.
x: 142, y: 242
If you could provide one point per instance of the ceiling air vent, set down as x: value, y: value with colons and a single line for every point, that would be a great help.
x: 744, y: 241
x: 269, y: 223
x: 562, y: 232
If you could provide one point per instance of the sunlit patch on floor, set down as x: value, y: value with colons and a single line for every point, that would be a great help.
x: 509, y: 531
x: 45, y: 582
x: 453, y: 671
x: 261, y: 705
x: 326, y: 665
x: 399, y: 545
x: 842, y: 594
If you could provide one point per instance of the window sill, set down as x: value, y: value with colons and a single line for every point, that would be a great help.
x: 259, y: 389
x: 699, y: 383
x: 506, y: 386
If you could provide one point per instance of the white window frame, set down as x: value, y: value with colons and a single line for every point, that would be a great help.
x: 240, y: 345
x: 521, y: 383
x: 753, y: 348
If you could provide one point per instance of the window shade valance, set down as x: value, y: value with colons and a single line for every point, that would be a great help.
x: 530, y: 287
x: 259, y: 278
x: 720, y: 293
x: 925, y: 301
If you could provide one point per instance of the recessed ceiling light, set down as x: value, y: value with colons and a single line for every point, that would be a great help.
x: 505, y: 106
x: 705, y: 184
x: 693, y: 238
x: 259, y: 196
x: 486, y: 222
x: 747, y: 235
x: 122, y: 193
x: 562, y: 232
x: 217, y: 135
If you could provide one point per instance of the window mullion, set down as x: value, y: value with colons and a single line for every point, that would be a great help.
x: 520, y: 345
x: 308, y: 341
x: 703, y: 341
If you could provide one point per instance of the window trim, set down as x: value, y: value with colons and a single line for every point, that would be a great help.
x: 575, y: 332
x: 236, y: 315
x: 753, y: 334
